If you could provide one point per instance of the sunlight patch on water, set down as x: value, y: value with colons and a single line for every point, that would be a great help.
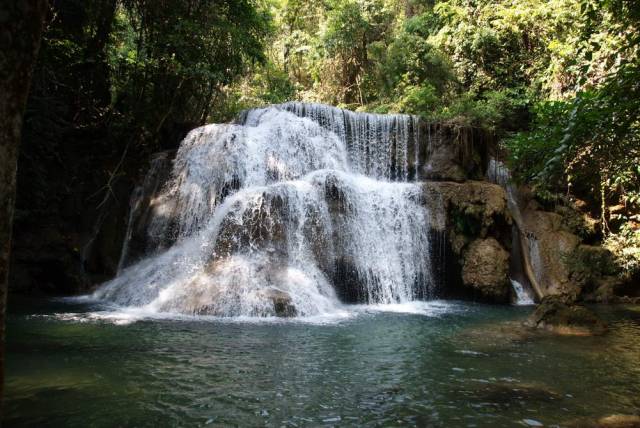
x: 431, y: 308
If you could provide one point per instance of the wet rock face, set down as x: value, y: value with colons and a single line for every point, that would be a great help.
x: 443, y: 165
x: 282, y: 304
x: 486, y: 270
x: 558, y: 314
x: 549, y: 243
x: 146, y: 205
x: 454, y: 154
x: 557, y: 258
x: 477, y: 222
x: 472, y: 209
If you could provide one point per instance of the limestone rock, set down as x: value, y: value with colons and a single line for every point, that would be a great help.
x: 474, y: 208
x: 282, y: 304
x: 454, y: 153
x: 442, y: 165
x: 558, y: 314
x: 549, y: 243
x: 469, y: 212
x: 486, y: 269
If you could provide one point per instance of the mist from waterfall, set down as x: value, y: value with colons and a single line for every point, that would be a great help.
x: 291, y: 211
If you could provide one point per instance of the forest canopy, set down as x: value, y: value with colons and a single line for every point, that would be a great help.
x: 557, y: 81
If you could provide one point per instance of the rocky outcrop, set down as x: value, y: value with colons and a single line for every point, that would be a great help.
x: 282, y: 304
x: 557, y: 261
x: 486, y: 269
x: 144, y: 207
x: 471, y: 209
x: 549, y: 244
x: 610, y: 289
x: 476, y: 219
x: 454, y: 153
x: 559, y: 314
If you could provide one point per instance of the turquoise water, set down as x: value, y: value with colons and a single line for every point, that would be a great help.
x: 433, y: 364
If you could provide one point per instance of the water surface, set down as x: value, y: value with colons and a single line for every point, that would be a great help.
x: 432, y: 364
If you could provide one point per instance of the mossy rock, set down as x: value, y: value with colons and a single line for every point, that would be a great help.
x: 559, y: 314
x: 485, y: 270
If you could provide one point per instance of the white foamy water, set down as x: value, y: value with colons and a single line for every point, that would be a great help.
x: 522, y: 297
x: 282, y: 215
x: 113, y: 314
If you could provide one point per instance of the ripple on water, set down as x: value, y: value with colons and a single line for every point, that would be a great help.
x: 429, y: 364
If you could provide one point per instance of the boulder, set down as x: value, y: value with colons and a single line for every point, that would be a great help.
x: 559, y: 314
x: 606, y: 289
x: 485, y: 269
x: 282, y: 304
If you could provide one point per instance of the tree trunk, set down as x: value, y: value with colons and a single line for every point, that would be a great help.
x: 21, y: 23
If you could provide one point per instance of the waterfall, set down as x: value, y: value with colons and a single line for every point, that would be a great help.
x: 383, y: 146
x: 522, y: 297
x: 293, y: 210
x: 522, y: 258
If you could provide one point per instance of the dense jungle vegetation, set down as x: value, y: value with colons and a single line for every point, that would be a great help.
x: 557, y: 81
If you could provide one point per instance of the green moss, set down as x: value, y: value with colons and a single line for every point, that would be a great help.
x: 467, y: 221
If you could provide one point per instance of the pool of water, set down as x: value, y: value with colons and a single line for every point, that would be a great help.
x: 449, y: 364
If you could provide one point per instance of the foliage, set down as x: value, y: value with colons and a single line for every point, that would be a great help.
x: 145, y: 64
x: 117, y: 77
x: 171, y: 59
x: 489, y: 111
x: 626, y: 246
x: 531, y: 151
x: 589, y: 146
x: 559, y: 79
x: 586, y: 263
x: 267, y: 84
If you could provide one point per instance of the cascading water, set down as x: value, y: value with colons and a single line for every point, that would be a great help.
x: 383, y: 146
x: 522, y: 297
x: 289, y: 212
x: 498, y: 173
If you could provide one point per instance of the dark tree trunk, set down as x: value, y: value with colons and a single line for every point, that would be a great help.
x: 20, y: 31
x: 96, y: 55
